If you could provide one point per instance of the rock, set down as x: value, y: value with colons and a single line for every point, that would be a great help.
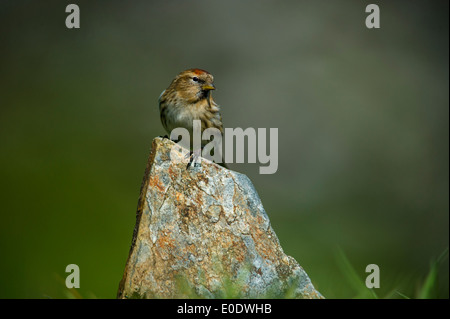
x: 203, y: 232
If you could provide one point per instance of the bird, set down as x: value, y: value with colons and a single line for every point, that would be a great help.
x: 189, y: 98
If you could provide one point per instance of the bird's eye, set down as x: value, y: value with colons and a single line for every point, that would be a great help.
x: 195, y: 79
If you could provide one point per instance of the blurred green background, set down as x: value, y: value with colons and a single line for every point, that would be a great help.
x: 363, y: 120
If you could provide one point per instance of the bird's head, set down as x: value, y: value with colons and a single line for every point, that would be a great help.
x: 193, y: 84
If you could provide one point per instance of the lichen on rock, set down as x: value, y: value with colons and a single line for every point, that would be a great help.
x: 203, y: 232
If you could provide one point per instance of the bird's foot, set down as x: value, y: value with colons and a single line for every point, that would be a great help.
x: 167, y: 137
x: 193, y: 158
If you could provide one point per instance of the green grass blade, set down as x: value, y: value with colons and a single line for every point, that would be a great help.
x: 353, y: 278
x: 430, y: 287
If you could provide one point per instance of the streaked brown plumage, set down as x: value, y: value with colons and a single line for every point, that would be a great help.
x: 188, y: 98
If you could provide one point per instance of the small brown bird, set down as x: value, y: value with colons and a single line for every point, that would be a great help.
x: 189, y: 98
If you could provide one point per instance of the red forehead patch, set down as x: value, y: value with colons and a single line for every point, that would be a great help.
x: 199, y: 71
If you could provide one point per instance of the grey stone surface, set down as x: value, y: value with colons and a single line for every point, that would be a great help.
x: 203, y: 232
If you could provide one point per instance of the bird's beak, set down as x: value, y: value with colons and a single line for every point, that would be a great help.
x: 208, y: 87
